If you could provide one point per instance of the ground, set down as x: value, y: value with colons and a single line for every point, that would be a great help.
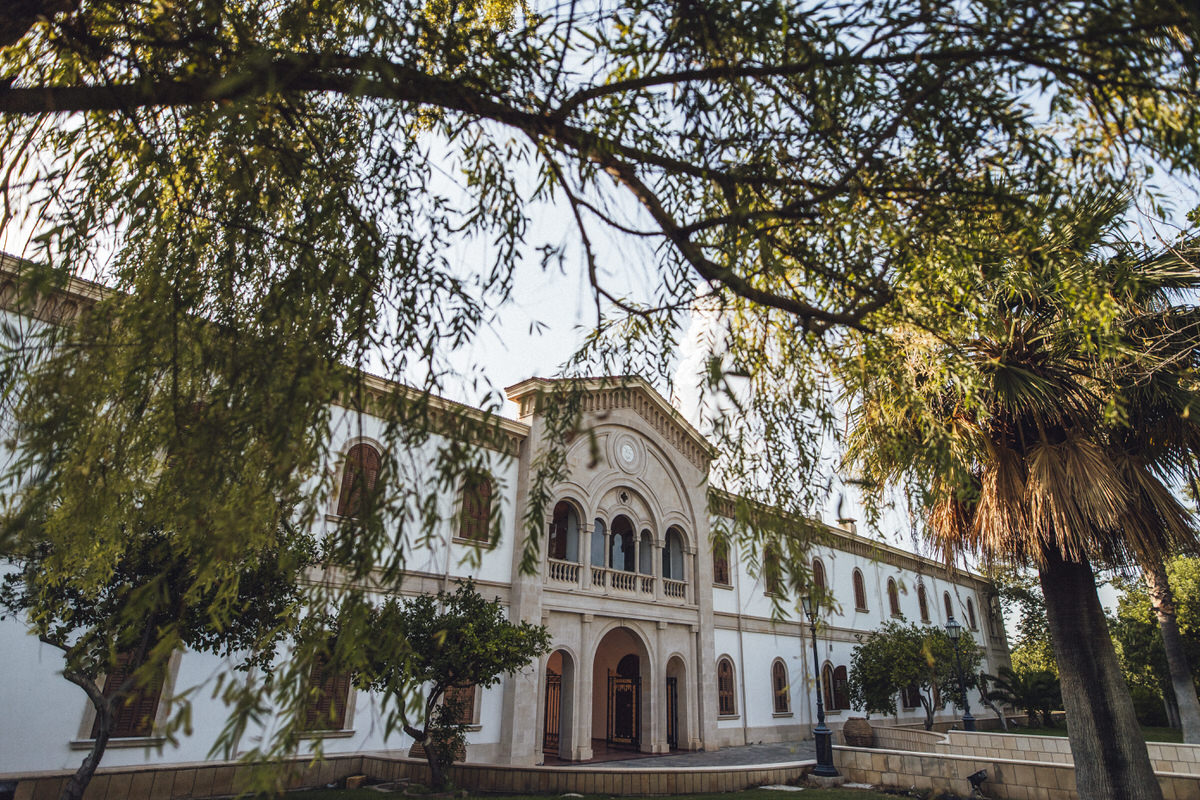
x: 749, y: 794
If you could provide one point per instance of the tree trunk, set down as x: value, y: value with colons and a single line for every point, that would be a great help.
x: 995, y: 710
x: 1111, y: 762
x: 1163, y: 603
x: 74, y: 788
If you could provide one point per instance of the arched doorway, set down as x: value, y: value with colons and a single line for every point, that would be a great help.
x: 621, y: 691
x: 558, y: 709
x: 676, y: 703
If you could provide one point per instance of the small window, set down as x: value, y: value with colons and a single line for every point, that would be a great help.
x: 841, y: 688
x: 726, y: 696
x: 893, y: 597
x: 134, y: 717
x: 910, y: 697
x: 358, y: 479
x: 720, y: 551
x: 860, y: 591
x: 779, y: 684
x: 971, y: 614
x: 949, y: 606
x: 461, y: 701
x: 818, y: 579
x: 476, y: 508
x: 621, y: 547
x: 923, y: 603
x: 325, y: 709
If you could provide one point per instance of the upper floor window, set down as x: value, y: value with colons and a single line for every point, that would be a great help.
x: 860, y: 591
x: 772, y: 573
x: 598, y: 529
x: 726, y: 694
x: 645, y: 553
x: 672, y: 556
x: 949, y: 606
x: 971, y: 614
x: 818, y: 579
x: 621, y: 551
x: 780, y: 687
x: 893, y: 594
x: 358, y: 479
x: 133, y: 717
x: 476, y: 507
x: 720, y: 555
x: 923, y: 603
x: 564, y: 533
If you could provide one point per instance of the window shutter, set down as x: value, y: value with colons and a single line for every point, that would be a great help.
x: 358, y: 479
x: 133, y: 717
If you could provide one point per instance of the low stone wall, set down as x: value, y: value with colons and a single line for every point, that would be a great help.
x: 208, y: 780
x: 204, y: 779
x: 1019, y: 767
x: 593, y: 779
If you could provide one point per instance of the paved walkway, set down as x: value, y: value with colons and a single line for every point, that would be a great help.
x: 778, y: 753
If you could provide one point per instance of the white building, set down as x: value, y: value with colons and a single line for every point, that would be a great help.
x: 659, y: 643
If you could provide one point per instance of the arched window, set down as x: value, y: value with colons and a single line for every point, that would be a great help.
x: 476, y: 507
x: 949, y: 606
x: 646, y: 553
x: 672, y: 566
x: 818, y: 579
x: 860, y: 591
x: 780, y: 687
x: 720, y: 554
x: 841, y: 688
x: 620, y: 554
x: 564, y: 533
x: 893, y: 597
x: 598, y: 529
x: 358, y: 479
x: 923, y: 602
x: 971, y: 614
x: 827, y: 686
x: 726, y: 695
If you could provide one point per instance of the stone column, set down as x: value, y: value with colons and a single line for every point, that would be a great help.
x: 581, y: 716
x: 656, y: 569
x: 585, y: 556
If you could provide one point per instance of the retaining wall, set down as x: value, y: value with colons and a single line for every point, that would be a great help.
x: 207, y: 780
x: 1019, y: 767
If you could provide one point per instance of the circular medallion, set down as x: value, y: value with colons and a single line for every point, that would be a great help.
x: 627, y: 453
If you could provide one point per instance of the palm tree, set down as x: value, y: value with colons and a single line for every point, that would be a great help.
x: 1034, y: 434
x: 1032, y: 691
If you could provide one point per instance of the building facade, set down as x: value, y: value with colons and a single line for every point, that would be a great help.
x: 661, y: 640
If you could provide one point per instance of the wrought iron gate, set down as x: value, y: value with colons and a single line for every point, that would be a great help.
x: 624, y: 709
x: 553, y: 700
x: 672, y: 715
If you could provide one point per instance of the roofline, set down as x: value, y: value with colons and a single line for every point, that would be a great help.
x: 589, y: 384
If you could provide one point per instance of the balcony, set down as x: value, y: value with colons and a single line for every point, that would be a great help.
x: 614, y: 582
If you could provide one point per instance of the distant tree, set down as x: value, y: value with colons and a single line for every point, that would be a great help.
x: 436, y: 644
x: 1137, y: 630
x: 898, y: 656
x: 116, y: 638
x: 1021, y: 596
x: 1033, y: 691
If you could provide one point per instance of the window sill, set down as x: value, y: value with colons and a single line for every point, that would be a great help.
x: 862, y: 610
x: 131, y: 741
x: 722, y: 585
x: 729, y: 716
x: 480, y: 543
x: 338, y: 734
x: 473, y: 727
x: 781, y: 714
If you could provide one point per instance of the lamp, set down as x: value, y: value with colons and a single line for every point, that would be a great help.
x: 822, y: 736
x: 954, y: 630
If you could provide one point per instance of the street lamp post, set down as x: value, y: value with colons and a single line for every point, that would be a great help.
x: 954, y: 630
x: 821, y: 733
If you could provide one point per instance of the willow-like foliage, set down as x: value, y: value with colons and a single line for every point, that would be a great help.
x: 276, y: 192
